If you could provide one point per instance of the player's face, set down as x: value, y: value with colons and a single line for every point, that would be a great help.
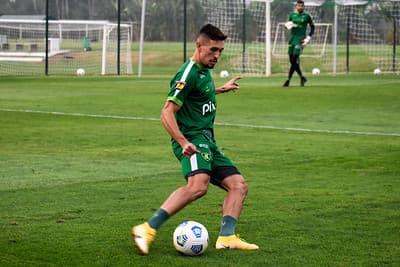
x: 209, y: 53
x: 300, y: 8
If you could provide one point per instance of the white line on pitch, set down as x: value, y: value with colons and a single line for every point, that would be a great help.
x: 78, y: 114
x: 217, y: 123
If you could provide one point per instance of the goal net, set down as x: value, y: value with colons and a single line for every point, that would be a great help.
x: 257, y: 36
x: 362, y: 32
x: 245, y: 25
x: 370, y: 33
x: 72, y: 44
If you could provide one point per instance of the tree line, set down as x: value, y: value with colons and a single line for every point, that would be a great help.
x: 164, y: 18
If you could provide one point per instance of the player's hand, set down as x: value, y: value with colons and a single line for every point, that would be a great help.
x: 231, y: 85
x: 305, y: 41
x: 289, y: 25
x: 189, y: 149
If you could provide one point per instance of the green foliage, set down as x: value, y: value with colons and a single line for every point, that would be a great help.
x: 164, y: 19
x: 73, y: 185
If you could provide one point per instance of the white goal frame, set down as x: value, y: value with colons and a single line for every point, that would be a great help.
x: 281, y: 25
x: 57, y: 28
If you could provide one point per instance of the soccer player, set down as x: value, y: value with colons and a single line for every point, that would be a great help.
x: 188, y: 117
x: 298, y: 39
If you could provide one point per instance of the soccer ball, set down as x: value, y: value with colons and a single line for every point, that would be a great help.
x: 377, y: 71
x: 190, y: 238
x: 80, y: 72
x: 224, y: 74
x: 315, y: 71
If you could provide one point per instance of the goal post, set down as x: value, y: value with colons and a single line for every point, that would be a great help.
x: 72, y: 44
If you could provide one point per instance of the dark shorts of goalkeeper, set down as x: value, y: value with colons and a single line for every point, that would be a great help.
x: 210, y: 160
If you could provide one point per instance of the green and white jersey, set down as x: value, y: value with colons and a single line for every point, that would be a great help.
x: 299, y: 30
x: 192, y: 88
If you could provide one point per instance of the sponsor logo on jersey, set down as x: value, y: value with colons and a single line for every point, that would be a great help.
x: 179, y: 85
x: 208, y: 107
x: 204, y: 145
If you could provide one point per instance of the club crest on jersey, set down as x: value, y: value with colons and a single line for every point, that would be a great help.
x: 206, y: 156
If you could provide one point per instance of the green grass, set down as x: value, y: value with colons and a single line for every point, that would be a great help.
x: 72, y: 186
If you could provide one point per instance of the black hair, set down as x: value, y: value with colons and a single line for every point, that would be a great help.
x: 212, y: 33
x: 300, y: 2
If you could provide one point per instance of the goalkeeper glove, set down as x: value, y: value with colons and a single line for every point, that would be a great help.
x: 289, y: 25
x: 306, y: 41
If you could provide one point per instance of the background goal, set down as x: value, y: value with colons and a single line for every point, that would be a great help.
x: 351, y: 35
x: 72, y: 44
x: 317, y: 54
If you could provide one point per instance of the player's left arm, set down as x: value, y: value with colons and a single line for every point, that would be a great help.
x: 310, y: 34
x: 312, y: 27
x: 231, y: 85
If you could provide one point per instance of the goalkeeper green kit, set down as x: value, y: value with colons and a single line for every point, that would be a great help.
x: 299, y: 31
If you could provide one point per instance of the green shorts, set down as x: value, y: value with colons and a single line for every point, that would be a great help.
x: 209, y: 160
x: 295, y: 47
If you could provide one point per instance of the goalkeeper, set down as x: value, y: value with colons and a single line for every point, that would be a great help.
x: 298, y: 39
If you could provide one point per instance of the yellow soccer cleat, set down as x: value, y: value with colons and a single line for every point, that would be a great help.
x: 234, y: 242
x: 143, y: 235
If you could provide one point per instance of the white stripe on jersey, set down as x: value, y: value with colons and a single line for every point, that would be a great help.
x: 187, y: 70
x: 193, y: 162
x: 184, y: 76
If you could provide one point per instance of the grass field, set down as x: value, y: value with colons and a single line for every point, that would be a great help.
x: 82, y: 160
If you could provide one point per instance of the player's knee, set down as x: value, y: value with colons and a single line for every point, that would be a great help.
x: 244, y: 188
x: 241, y: 188
x: 236, y: 184
x: 197, y: 191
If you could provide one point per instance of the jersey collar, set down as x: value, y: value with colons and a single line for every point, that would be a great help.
x: 199, y: 66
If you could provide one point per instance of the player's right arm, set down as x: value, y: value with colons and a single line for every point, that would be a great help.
x: 171, y: 126
x: 289, y: 24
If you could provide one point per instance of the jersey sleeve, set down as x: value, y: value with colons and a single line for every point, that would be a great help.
x: 312, y: 26
x: 291, y: 17
x: 180, y: 86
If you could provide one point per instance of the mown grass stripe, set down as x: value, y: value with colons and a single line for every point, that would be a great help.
x: 217, y: 123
